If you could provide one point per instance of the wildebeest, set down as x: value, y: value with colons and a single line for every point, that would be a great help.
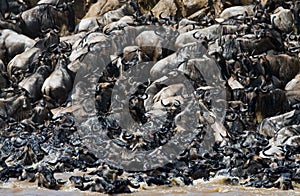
x: 13, y: 43
x: 45, y: 16
x: 58, y: 85
x: 33, y: 83
x: 283, y: 66
x: 25, y: 62
x: 16, y: 107
x: 158, y: 44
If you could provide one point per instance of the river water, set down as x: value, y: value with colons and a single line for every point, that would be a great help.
x: 214, y: 187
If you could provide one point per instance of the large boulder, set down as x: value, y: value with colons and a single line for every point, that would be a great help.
x: 101, y: 7
x: 166, y: 7
x: 177, y: 8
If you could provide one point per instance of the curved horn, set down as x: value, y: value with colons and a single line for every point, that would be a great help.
x: 231, y: 119
x: 128, y: 137
x: 144, y: 96
x: 196, y: 37
x: 177, y: 103
x: 56, y: 29
x: 167, y: 105
x: 163, y: 18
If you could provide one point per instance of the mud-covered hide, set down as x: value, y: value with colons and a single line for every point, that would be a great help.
x: 283, y: 66
x: 157, y: 43
x: 16, y: 107
x: 179, y: 8
x: 22, y: 63
x: 73, y: 39
x: 26, y: 62
x: 270, y: 126
x: 211, y: 33
x: 79, y: 6
x: 238, y: 12
x: 87, y: 24
x: 172, y: 61
x: 33, y: 83
x: 281, y: 131
x: 58, y: 85
x: 41, y: 17
x: 267, y: 104
x: 265, y: 41
x: 89, y: 48
x: 12, y: 43
x: 120, y: 24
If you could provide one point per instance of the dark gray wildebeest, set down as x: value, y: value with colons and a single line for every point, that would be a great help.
x: 25, y: 62
x: 44, y: 16
x: 58, y: 85
x: 12, y: 43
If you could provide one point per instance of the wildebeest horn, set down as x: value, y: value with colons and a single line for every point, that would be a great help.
x: 163, y: 18
x: 56, y: 29
x: 128, y: 137
x: 162, y: 103
x: 196, y: 36
x: 44, y: 31
x: 177, y: 103
x: 144, y: 96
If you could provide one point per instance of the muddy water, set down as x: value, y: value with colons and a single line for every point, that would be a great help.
x: 214, y: 187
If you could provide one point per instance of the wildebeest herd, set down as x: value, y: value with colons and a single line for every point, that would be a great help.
x: 240, y: 66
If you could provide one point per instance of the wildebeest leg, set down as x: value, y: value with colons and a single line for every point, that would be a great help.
x: 3, y: 8
x: 71, y: 18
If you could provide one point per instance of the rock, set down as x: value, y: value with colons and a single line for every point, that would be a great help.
x: 166, y: 7
x: 211, y: 33
x: 191, y: 6
x: 237, y: 11
x: 177, y: 8
x: 283, y: 20
x: 293, y: 89
x: 101, y: 7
